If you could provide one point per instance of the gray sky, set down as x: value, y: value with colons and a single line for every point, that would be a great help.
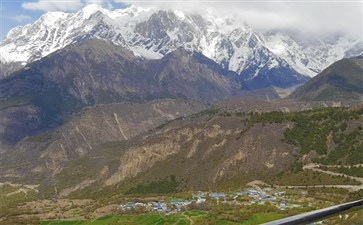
x: 311, y: 17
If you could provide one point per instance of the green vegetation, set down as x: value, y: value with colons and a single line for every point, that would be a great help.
x: 213, y: 213
x: 306, y: 177
x: 327, y: 92
x: 325, y: 197
x: 10, y: 198
x: 56, y: 222
x: 309, y: 130
x: 197, y: 217
x: 355, y: 171
x: 7, y: 189
x: 70, y: 176
x: 348, y: 148
x: 161, y: 186
x: 350, y: 217
x: 314, y: 129
x: 355, y: 195
x: 251, y: 214
x: 125, y: 219
x: 341, y: 80
x: 208, y: 112
x: 145, y: 219
x: 259, y: 218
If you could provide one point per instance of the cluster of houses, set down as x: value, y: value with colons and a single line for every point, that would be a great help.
x: 160, y: 206
x: 200, y: 197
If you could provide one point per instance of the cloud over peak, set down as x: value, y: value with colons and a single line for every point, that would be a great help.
x: 46, y: 5
x: 306, y: 16
x: 62, y: 5
x: 311, y: 16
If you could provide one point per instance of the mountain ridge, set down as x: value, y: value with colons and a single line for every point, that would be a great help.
x: 226, y: 144
x: 341, y: 80
x: 99, y: 72
x: 152, y: 33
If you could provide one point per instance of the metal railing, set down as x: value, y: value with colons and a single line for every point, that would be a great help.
x: 317, y: 214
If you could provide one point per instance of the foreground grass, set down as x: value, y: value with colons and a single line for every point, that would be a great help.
x: 352, y: 216
x: 189, y: 217
x: 259, y: 218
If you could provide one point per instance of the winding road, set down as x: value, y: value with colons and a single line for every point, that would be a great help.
x: 316, y: 167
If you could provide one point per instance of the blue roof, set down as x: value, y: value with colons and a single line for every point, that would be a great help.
x: 217, y: 194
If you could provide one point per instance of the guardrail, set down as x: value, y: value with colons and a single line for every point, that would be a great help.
x: 317, y: 214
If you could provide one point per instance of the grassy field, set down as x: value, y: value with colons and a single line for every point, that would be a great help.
x: 126, y: 219
x: 259, y: 218
x: 189, y: 217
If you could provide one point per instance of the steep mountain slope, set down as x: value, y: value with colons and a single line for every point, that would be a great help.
x: 185, y: 75
x: 269, y: 71
x: 78, y: 155
x: 153, y: 33
x: 341, y: 80
x: 97, y: 72
x: 228, y: 146
x: 58, y: 85
x: 46, y: 154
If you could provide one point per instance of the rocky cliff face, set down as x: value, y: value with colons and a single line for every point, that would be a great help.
x: 221, y: 147
x: 121, y: 144
x: 47, y: 154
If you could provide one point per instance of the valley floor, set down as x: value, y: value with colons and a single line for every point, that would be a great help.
x: 190, y: 217
x: 312, y: 180
x: 258, y: 203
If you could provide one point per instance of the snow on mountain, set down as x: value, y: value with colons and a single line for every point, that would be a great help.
x: 152, y: 33
x: 309, y: 56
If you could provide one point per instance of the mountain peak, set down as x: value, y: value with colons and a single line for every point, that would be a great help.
x: 91, y: 9
x: 50, y: 18
x: 133, y: 10
x: 152, y: 33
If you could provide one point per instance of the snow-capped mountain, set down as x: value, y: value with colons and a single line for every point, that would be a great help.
x: 310, y: 56
x: 152, y: 33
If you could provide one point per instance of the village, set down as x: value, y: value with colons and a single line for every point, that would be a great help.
x: 201, y: 198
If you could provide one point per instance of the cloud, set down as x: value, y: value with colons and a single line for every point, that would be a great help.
x: 306, y: 16
x: 63, y: 5
x: 98, y: 2
x: 21, y: 18
x: 49, y: 5
x: 309, y: 16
